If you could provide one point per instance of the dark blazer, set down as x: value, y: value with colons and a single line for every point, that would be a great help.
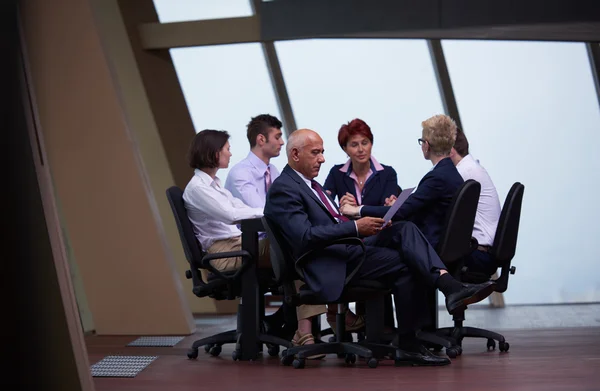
x: 305, y: 223
x: 379, y: 186
x: 428, y: 205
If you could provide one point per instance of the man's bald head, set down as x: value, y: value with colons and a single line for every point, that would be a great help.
x: 305, y: 152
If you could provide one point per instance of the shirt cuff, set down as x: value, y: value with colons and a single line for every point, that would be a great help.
x: 359, y: 209
x: 356, y: 226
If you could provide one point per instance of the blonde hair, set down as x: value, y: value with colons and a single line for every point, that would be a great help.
x: 440, y: 132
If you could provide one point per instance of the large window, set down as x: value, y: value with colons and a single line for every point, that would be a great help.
x: 186, y: 10
x: 389, y: 84
x: 531, y: 115
x: 224, y: 86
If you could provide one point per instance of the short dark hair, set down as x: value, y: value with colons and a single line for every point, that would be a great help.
x: 260, y: 125
x: 461, y: 145
x: 204, y: 148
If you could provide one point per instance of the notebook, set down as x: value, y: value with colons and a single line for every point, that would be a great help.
x: 394, y: 208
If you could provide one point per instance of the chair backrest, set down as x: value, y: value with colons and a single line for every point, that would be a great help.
x: 505, y: 241
x: 455, y: 241
x: 191, y: 247
x: 282, y: 259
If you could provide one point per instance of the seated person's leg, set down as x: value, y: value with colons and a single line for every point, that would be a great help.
x: 305, y: 315
x: 354, y: 322
x: 386, y: 265
x: 424, y: 262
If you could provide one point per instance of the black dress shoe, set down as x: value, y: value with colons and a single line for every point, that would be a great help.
x: 419, y: 357
x: 469, y: 294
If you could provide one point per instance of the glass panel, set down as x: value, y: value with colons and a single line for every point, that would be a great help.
x: 224, y: 86
x: 389, y: 84
x: 531, y: 115
x: 185, y: 10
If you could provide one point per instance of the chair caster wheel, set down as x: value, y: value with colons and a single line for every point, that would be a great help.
x: 491, y: 344
x: 503, y: 346
x: 373, y: 362
x: 452, y: 352
x: 350, y: 358
x: 459, y: 348
x: 235, y: 355
x: 273, y: 350
x: 331, y: 339
x: 215, y: 351
x: 192, y: 354
x: 286, y: 360
x: 299, y: 363
x: 208, y: 347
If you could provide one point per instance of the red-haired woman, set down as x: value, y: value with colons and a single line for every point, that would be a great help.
x: 362, y: 180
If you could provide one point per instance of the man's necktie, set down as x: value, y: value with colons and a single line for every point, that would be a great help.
x: 315, y: 185
x: 267, y: 179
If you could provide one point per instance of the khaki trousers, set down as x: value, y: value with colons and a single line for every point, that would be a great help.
x: 264, y: 261
x: 235, y: 244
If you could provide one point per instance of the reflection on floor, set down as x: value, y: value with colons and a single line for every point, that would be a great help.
x: 551, y: 348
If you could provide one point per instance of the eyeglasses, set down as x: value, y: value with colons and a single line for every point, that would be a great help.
x: 422, y: 140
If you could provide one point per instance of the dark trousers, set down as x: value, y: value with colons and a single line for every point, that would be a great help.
x: 401, y: 256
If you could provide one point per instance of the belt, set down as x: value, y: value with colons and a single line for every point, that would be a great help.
x: 485, y: 249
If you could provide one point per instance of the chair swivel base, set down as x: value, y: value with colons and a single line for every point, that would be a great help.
x: 297, y: 355
x: 457, y: 333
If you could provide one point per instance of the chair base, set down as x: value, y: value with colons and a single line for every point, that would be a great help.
x: 458, y: 333
x: 213, y: 344
x: 297, y: 355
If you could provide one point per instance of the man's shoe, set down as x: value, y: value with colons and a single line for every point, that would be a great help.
x: 420, y: 358
x: 469, y: 294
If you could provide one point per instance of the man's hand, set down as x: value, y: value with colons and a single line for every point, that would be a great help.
x: 368, y: 226
x: 389, y: 201
x: 348, y: 199
x: 350, y: 210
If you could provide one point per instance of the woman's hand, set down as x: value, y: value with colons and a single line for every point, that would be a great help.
x: 389, y: 201
x: 348, y: 199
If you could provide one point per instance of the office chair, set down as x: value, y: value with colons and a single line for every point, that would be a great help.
x: 219, y: 285
x: 502, y: 251
x: 455, y: 243
x: 287, y: 270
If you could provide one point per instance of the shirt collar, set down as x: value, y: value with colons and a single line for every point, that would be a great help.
x: 305, y: 179
x: 206, y: 179
x: 469, y: 159
x: 257, y: 162
x: 375, y: 165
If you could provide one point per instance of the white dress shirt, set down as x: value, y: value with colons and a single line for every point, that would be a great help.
x: 488, y: 208
x: 213, y: 210
x: 333, y: 207
x: 246, y: 180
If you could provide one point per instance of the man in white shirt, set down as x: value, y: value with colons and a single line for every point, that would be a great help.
x: 488, y: 208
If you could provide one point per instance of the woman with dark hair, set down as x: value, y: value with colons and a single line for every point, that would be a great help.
x: 211, y: 208
x: 362, y: 180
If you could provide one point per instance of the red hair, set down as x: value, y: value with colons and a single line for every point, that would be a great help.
x: 354, y: 127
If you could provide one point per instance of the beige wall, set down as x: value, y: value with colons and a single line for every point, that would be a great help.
x: 96, y: 160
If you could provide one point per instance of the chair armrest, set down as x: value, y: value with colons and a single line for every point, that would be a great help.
x: 246, y: 259
x: 357, y: 241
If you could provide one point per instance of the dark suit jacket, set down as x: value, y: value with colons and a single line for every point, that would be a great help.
x: 379, y: 186
x: 428, y: 205
x: 305, y: 223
